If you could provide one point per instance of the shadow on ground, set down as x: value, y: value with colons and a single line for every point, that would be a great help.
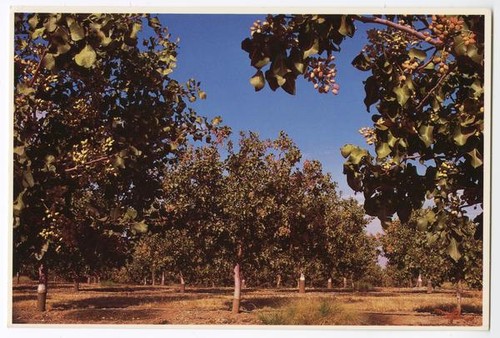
x: 256, y: 303
x: 116, y: 302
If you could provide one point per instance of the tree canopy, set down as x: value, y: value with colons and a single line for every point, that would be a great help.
x: 426, y: 83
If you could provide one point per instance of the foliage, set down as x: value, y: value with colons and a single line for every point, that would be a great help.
x: 411, y: 252
x: 426, y: 81
x: 88, y: 157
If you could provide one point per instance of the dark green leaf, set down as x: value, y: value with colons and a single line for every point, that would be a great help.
x: 346, y: 26
x: 313, y: 49
x: 49, y: 62
x: 371, y: 91
x: 258, y: 81
x: 362, y: 62
x: 453, y: 251
x: 462, y: 134
x: 417, y: 54
x: 476, y: 159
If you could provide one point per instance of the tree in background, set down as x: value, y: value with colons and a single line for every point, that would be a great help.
x: 411, y: 251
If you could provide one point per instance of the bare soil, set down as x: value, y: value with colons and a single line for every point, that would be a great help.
x: 161, y: 305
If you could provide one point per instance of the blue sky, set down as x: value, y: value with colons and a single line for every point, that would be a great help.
x: 320, y: 124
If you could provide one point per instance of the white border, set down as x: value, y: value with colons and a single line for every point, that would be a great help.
x: 256, y: 6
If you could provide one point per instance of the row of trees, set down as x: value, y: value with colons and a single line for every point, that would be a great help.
x: 103, y: 134
x: 426, y: 82
x: 103, y: 153
x: 255, y: 211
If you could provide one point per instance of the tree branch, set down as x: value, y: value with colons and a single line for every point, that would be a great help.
x: 409, y: 30
x: 37, y: 70
x: 430, y: 92
x: 99, y: 159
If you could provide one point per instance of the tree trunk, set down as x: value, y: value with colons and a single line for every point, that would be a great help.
x: 345, y: 283
x: 89, y: 280
x: 429, y: 286
x: 18, y: 277
x: 163, y: 278
x: 237, y: 289
x: 153, y: 276
x: 329, y: 285
x: 42, y: 287
x: 145, y: 280
x: 459, y: 297
x: 302, y: 283
x: 419, y: 281
x: 76, y: 284
x: 278, y: 282
x: 182, y: 286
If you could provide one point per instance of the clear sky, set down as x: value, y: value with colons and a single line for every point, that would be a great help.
x: 320, y: 124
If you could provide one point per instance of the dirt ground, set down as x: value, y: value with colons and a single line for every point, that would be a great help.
x: 162, y: 305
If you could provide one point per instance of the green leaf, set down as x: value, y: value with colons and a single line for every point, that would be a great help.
x: 347, y: 149
x: 258, y: 81
x: 216, y: 121
x: 260, y: 62
x: 383, y: 150
x: 417, y: 54
x: 114, y: 214
x: 461, y: 135
x: 402, y: 94
x: 136, y: 27
x: 119, y: 162
x: 51, y: 24
x: 19, y: 204
x: 430, y: 66
x: 313, y: 49
x: 432, y: 238
x: 19, y: 150
x: 422, y: 224
x: 49, y: 62
x: 131, y: 214
x: 154, y: 22
x: 356, y: 155
x: 289, y: 85
x: 477, y: 87
x: 140, y: 227
x: 28, y: 180
x: 24, y: 89
x: 371, y: 91
x: 452, y: 250
x: 279, y: 66
x: 76, y: 31
x: 476, y: 158
x: 86, y: 57
x: 425, y: 132
x: 33, y: 21
x: 362, y: 62
x: 346, y: 26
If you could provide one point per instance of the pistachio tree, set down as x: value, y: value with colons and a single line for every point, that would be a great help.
x: 95, y: 112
